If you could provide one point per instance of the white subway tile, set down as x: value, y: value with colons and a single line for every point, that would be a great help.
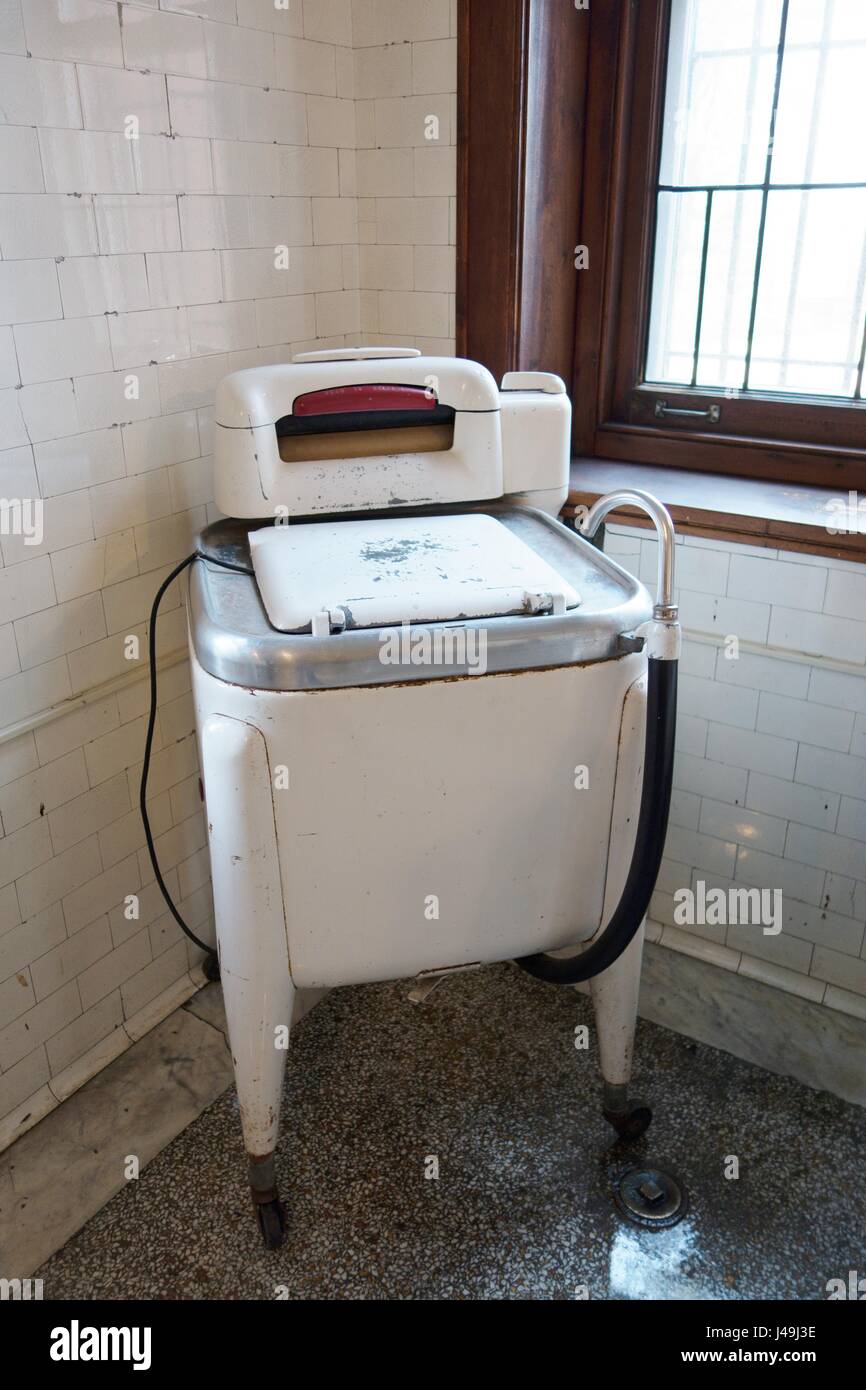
x: 87, y: 161
x: 825, y: 928
x: 12, y: 40
x: 434, y: 66
x: 81, y: 569
x: 852, y: 818
x: 34, y: 691
x: 751, y: 828
x: 759, y: 752
x: 263, y: 14
x: 800, y: 881
x: 858, y: 741
x: 22, y: 851
x: 73, y: 730
x: 88, y: 813
x: 149, y: 444
x: 144, y: 222
x: 836, y: 688
x: 393, y: 21
x: 724, y: 617
x: 31, y: 942
x: 66, y: 347
x: 56, y: 631
x: 763, y: 673
x: 46, y: 224
x: 221, y: 327
x: 287, y: 319
x: 215, y: 222
x: 183, y: 277
x: 703, y: 851
x: 436, y: 269
x: 36, y: 93
x: 788, y: 952
x: 43, y: 790
x: 25, y: 588
x: 839, y: 772
x: 191, y: 384
x: 414, y: 221
x: 109, y: 98
x: 86, y: 30
x: 846, y: 594
x: 421, y: 122
x: 48, y: 410
x: 33, y: 1028
x: 102, y: 285
x: 309, y: 172
x: 691, y: 735
x: 330, y: 122
x: 794, y: 586
x: 113, y: 969
x: 280, y: 221
x: 840, y: 970
x: 383, y: 71
x: 172, y: 165
x: 114, y: 398
x: 152, y: 335
x: 302, y: 66
x: 129, y: 501
x: 19, y: 160
x: 161, y: 42
x: 239, y: 55
x: 784, y: 798
x: 805, y: 721
x: 727, y: 784
x: 843, y: 639
x: 824, y: 851
x: 724, y: 704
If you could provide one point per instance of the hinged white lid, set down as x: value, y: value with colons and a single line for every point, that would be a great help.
x: 379, y: 573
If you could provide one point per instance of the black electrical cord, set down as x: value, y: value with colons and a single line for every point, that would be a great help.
x: 148, y: 741
x: 661, y: 720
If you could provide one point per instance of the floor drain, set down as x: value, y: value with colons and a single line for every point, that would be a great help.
x: 651, y: 1198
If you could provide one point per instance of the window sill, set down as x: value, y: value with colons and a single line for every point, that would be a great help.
x: 750, y: 511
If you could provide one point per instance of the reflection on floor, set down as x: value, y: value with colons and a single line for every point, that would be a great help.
x: 485, y: 1077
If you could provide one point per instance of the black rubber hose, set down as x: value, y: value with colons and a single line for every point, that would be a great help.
x: 211, y: 963
x: 652, y: 825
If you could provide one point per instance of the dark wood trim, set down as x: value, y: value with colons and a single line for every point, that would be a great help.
x: 492, y: 51
x: 521, y: 79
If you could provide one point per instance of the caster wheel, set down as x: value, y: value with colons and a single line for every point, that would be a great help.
x: 272, y: 1223
x: 630, y: 1124
x: 211, y: 967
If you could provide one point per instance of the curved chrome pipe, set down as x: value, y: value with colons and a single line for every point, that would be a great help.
x: 665, y: 608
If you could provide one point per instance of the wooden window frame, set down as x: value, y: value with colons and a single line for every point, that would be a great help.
x: 581, y: 93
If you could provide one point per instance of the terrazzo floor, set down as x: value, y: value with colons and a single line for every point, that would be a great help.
x: 485, y: 1077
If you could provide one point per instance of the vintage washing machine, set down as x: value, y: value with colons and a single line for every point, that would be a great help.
x: 435, y: 724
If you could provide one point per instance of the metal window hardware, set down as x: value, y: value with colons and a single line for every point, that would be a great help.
x: 712, y: 413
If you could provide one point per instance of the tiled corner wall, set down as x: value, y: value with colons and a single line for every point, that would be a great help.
x: 770, y: 774
x: 134, y: 273
x: 406, y: 109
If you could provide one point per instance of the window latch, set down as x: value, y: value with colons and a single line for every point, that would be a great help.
x: 713, y: 413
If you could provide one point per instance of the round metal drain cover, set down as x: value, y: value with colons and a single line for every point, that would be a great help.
x: 651, y: 1198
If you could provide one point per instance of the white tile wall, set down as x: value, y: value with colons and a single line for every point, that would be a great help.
x: 154, y: 255
x: 770, y: 749
x: 405, y: 83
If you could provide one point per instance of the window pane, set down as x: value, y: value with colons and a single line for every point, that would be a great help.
x: 728, y: 288
x: 819, y: 127
x: 782, y: 226
x: 721, y: 79
x: 676, y: 281
x: 811, y: 301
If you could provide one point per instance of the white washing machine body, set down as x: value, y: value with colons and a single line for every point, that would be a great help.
x: 421, y: 714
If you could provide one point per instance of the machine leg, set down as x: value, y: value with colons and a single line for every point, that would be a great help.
x: 614, y: 997
x: 253, y: 952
